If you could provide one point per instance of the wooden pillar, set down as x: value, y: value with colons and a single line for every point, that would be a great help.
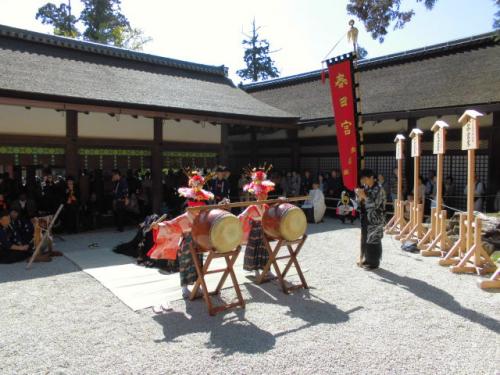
x: 293, y: 140
x: 224, y: 148
x: 254, y: 146
x: 494, y: 160
x: 156, y: 165
x: 71, y: 156
x: 412, y: 124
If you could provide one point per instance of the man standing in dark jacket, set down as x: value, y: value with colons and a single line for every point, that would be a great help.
x: 120, y: 198
x: 220, y: 186
x: 372, y: 202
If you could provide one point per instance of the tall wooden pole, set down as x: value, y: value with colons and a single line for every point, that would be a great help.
x: 471, y: 162
x: 400, y: 180
x: 438, y: 217
x: 397, y: 222
x: 482, y: 262
x: 415, y: 228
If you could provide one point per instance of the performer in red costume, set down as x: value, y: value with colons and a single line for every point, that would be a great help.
x: 168, y: 234
x: 256, y: 255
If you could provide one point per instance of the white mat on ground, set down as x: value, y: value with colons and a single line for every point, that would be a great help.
x: 140, y: 287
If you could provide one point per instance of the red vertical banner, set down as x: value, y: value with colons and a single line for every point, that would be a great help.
x: 344, y: 109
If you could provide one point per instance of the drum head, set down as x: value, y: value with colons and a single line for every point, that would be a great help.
x: 226, y: 233
x: 293, y: 224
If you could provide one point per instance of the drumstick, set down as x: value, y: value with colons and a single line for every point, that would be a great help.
x: 158, y: 221
x: 246, y: 204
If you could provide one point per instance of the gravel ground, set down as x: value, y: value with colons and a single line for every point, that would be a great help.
x: 411, y: 317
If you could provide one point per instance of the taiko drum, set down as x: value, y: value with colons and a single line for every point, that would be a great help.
x: 284, y: 221
x: 218, y: 230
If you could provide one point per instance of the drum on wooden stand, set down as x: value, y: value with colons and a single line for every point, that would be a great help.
x: 284, y: 221
x: 218, y: 230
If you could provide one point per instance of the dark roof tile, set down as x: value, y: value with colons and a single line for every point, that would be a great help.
x: 88, y: 71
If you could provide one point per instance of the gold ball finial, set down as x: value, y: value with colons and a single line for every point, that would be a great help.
x: 351, y: 23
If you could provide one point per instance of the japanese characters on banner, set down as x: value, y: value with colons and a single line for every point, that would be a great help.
x: 344, y: 109
x: 399, y: 150
x: 415, y: 146
x: 470, y: 135
x: 439, y: 141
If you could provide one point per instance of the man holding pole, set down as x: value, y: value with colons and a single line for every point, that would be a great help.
x: 372, y: 201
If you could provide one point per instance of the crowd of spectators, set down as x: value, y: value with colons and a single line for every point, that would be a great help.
x: 93, y: 197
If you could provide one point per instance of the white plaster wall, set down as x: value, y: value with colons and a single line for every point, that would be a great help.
x: 35, y: 121
x: 101, y: 125
x: 190, y: 131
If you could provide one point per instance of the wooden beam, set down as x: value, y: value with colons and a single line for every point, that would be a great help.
x: 413, y: 113
x: 294, y: 142
x: 71, y: 155
x: 411, y: 124
x: 494, y: 159
x: 224, y: 146
x: 156, y: 165
x: 233, y: 119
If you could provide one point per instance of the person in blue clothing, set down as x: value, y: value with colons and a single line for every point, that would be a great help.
x: 10, y: 251
x: 22, y: 229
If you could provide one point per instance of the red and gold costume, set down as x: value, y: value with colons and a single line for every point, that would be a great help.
x: 173, y: 238
x: 256, y: 255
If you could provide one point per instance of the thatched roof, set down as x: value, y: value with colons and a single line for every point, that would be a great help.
x: 458, y: 73
x: 35, y: 64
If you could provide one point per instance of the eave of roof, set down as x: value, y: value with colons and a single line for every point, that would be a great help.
x: 101, y: 49
x: 454, y: 46
x: 210, y: 92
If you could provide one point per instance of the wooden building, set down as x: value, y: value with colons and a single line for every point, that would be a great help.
x: 399, y: 92
x: 73, y: 105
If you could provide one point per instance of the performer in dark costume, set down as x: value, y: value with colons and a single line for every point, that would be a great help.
x: 372, y: 202
x: 256, y: 255
x: 141, y: 243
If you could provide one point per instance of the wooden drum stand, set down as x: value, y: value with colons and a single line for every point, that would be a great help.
x: 230, y: 258
x: 273, y: 261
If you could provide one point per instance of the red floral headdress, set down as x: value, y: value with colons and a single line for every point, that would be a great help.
x: 195, y: 190
x: 259, y: 185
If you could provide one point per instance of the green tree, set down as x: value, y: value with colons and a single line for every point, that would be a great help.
x: 102, y: 20
x: 257, y: 58
x: 60, y: 18
x: 362, y: 52
x: 130, y: 38
x: 378, y: 15
x: 496, y: 21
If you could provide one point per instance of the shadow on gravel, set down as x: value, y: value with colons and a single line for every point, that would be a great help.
x: 230, y: 332
x: 330, y: 224
x: 439, y: 297
x: 18, y: 272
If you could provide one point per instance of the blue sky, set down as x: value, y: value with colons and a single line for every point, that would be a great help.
x: 303, y: 31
